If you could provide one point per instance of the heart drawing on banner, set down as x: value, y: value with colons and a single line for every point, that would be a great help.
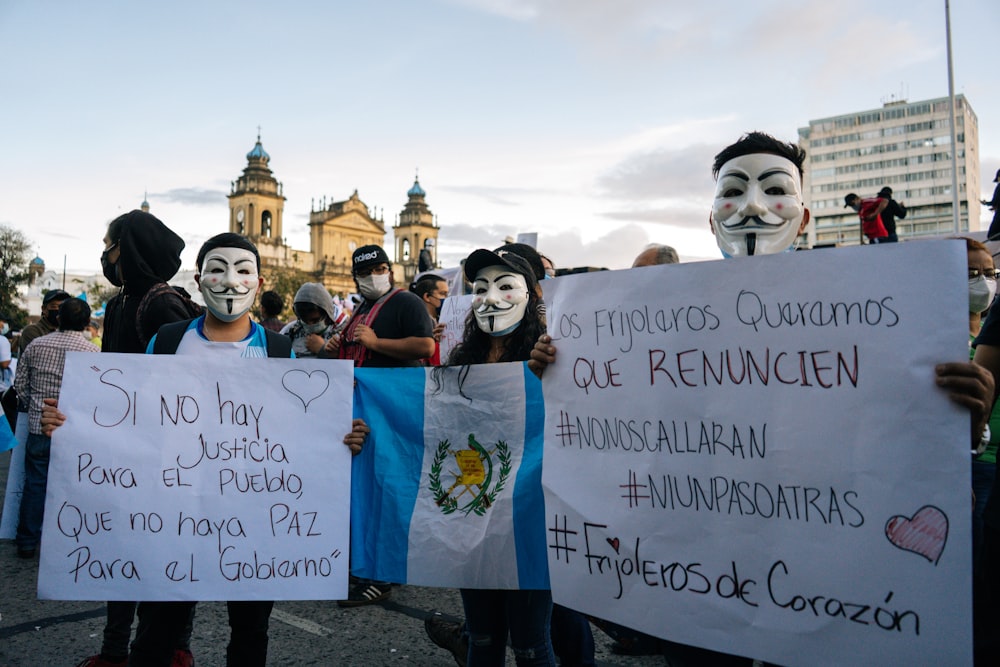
x: 925, y: 533
x: 614, y: 543
x: 306, y: 387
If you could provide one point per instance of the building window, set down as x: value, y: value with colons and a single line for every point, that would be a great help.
x: 265, y: 225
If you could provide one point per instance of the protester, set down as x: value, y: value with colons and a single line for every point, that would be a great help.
x: 93, y: 332
x: 318, y: 320
x: 503, y: 325
x: 893, y: 209
x: 228, y: 279
x: 432, y: 290
x: 759, y: 209
x: 870, y: 212
x: 549, y: 265
x: 655, y: 254
x: 389, y: 328
x: 271, y: 305
x: 39, y: 376
x: 982, y: 290
x: 140, y: 255
x: 6, y: 374
x: 49, y: 321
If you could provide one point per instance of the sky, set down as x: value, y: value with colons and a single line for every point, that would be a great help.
x: 592, y: 123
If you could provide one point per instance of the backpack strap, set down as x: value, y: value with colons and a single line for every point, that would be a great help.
x: 169, y: 337
x: 278, y: 345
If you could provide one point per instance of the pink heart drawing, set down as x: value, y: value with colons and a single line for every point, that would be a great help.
x: 614, y: 543
x: 925, y: 533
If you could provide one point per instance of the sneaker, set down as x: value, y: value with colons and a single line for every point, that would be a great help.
x: 363, y: 593
x: 182, y: 658
x: 98, y: 661
x: 449, y: 635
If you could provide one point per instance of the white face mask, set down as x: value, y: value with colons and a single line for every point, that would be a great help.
x: 758, y: 208
x: 374, y: 286
x: 981, y: 293
x: 229, y: 282
x: 500, y: 297
x: 5, y: 329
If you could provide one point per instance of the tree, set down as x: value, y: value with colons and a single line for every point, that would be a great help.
x: 15, y: 253
x: 286, y: 282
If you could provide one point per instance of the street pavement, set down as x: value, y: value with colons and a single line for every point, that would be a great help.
x: 48, y: 633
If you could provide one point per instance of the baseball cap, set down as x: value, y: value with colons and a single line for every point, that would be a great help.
x: 480, y: 259
x: 368, y: 255
x: 847, y: 199
x: 55, y: 295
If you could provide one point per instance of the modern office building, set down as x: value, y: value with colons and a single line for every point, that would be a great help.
x: 903, y: 145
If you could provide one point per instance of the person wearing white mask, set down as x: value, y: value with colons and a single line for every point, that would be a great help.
x: 318, y: 320
x: 390, y: 327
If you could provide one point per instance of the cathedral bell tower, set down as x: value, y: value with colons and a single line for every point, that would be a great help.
x: 415, y: 235
x: 256, y: 205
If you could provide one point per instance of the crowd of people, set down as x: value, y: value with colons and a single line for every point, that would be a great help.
x: 758, y: 209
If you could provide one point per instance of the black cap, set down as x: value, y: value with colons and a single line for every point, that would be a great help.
x: 847, y: 199
x: 480, y: 259
x: 55, y: 295
x: 885, y: 192
x: 368, y: 255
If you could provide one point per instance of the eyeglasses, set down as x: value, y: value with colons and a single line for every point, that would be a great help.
x: 379, y: 270
x: 987, y: 273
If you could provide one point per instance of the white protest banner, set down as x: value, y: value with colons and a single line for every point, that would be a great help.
x: 188, y: 478
x: 751, y: 455
x: 454, y: 310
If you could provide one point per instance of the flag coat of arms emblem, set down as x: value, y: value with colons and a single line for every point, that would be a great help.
x: 447, y: 490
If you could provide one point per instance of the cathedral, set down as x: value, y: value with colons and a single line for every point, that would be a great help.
x: 336, y: 229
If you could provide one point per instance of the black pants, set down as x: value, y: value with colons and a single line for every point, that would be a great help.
x: 161, y: 624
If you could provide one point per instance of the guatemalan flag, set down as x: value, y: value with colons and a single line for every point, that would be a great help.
x: 448, y: 488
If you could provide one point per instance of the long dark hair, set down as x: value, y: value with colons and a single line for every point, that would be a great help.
x: 517, y: 345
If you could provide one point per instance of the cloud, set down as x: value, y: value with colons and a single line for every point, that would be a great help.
x: 653, y: 175
x: 191, y: 196
x: 494, y: 195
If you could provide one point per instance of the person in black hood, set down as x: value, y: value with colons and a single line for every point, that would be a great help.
x: 140, y: 253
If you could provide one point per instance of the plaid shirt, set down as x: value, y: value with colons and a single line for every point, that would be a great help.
x: 40, y: 370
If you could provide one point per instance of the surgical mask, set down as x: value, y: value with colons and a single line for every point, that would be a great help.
x: 372, y: 287
x: 981, y: 293
x: 316, y: 328
x: 110, y: 269
x: 5, y: 329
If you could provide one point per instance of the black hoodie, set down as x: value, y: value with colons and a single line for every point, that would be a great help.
x: 150, y: 254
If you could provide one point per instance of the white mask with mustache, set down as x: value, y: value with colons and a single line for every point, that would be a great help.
x: 758, y: 208
x: 229, y: 282
x: 500, y: 297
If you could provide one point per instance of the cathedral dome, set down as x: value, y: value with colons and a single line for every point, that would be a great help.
x: 416, y: 190
x: 258, y: 152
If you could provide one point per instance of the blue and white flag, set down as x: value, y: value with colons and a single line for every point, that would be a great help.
x: 448, y: 490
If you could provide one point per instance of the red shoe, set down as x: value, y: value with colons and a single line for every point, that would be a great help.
x: 182, y: 658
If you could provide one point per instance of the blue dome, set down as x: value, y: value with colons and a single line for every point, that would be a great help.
x: 37, y: 260
x: 416, y: 190
x: 258, y: 152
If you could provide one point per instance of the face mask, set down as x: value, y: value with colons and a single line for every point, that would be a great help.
x: 110, y: 270
x: 758, y: 208
x: 316, y: 328
x: 5, y: 329
x: 500, y: 297
x: 374, y: 286
x: 229, y: 282
x: 981, y: 293
x: 52, y: 317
